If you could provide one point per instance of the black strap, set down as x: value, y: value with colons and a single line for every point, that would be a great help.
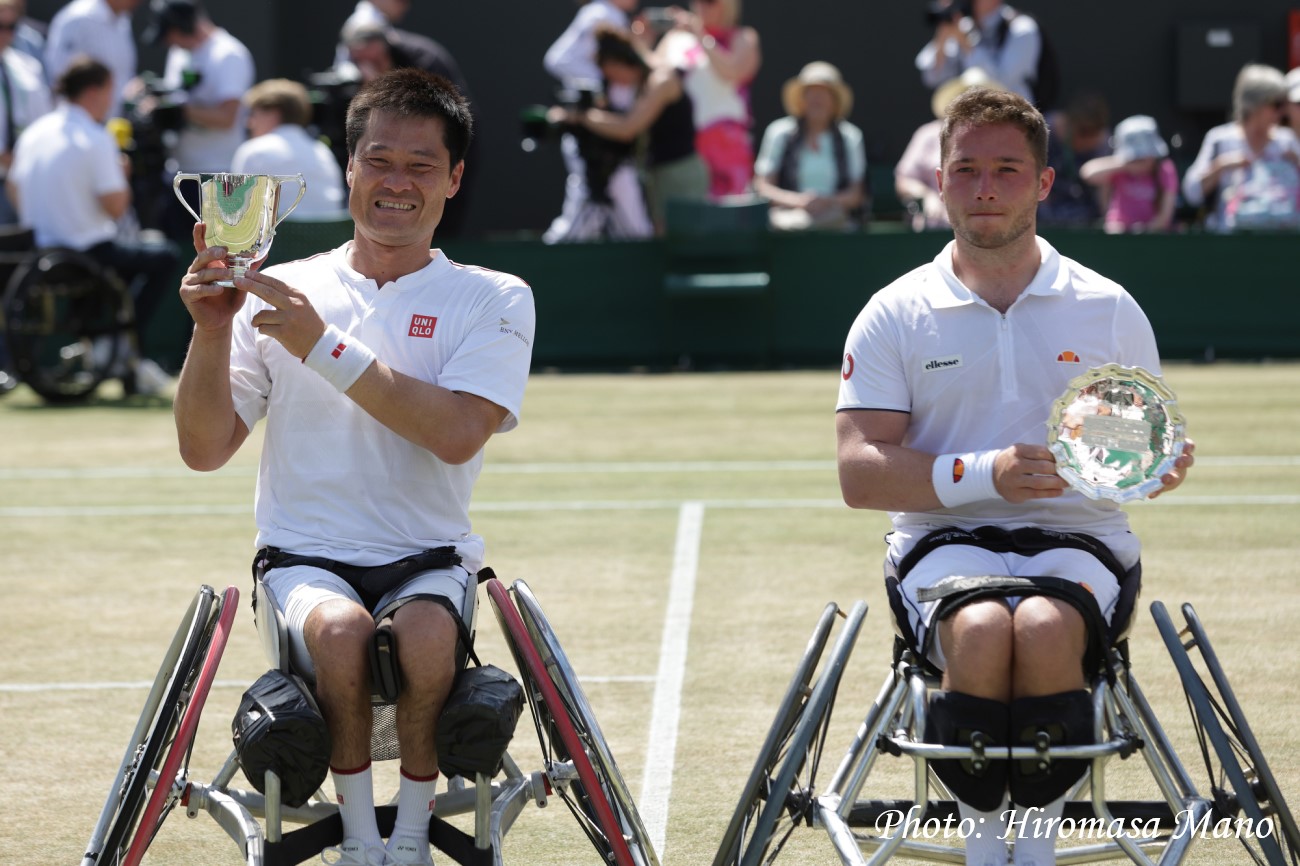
x: 11, y: 134
x: 370, y: 582
x: 1027, y: 541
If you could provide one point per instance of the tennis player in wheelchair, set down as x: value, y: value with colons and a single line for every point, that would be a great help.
x: 381, y: 369
x: 949, y: 377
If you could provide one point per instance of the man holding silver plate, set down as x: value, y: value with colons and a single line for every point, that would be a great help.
x: 1000, y: 402
x: 381, y: 368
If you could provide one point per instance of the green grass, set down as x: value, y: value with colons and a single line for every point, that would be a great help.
x: 107, y: 537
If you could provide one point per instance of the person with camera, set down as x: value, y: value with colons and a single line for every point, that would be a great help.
x: 381, y: 369
x: 94, y: 28
x: 662, y: 111
x: 987, y: 34
x: 597, y: 176
x: 69, y: 183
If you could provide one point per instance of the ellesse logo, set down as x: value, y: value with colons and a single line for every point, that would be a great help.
x: 945, y: 363
x: 1068, y: 357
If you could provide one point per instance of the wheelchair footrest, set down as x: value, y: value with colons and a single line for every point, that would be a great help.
x: 308, y: 842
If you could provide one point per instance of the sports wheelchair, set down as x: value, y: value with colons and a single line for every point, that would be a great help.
x: 784, y: 791
x: 154, y: 776
x: 67, y: 318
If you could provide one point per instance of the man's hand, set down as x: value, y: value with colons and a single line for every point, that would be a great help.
x: 1023, y: 472
x: 1178, y: 474
x: 292, y: 320
x: 211, y: 306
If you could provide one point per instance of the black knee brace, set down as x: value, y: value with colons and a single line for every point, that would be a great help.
x: 1063, y: 719
x: 959, y: 719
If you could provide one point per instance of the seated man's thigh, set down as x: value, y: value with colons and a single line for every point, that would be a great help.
x: 1078, y: 566
x: 300, y: 589
x: 449, y: 583
x: 944, y: 562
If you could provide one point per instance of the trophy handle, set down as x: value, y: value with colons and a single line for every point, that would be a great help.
x: 176, y: 187
x: 282, y: 179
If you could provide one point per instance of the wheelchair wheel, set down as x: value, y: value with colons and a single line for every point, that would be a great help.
x: 63, y: 316
x: 788, y: 715
x: 569, y: 738
x: 1242, y: 786
x: 576, y: 705
x: 179, y: 684
x: 781, y: 790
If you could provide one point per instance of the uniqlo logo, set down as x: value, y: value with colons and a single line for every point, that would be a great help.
x: 422, y: 326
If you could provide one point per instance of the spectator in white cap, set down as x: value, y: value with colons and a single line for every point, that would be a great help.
x: 812, y: 163
x: 1138, y: 182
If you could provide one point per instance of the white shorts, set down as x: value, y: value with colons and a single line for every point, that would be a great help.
x: 300, y: 589
x: 965, y: 560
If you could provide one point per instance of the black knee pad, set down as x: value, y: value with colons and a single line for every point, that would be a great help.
x: 959, y: 719
x: 1063, y: 719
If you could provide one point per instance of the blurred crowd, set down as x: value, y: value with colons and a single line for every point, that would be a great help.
x: 664, y: 77
x: 652, y: 111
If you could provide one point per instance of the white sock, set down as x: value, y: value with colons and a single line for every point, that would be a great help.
x: 415, y: 801
x: 356, y: 797
x: 987, y: 845
x: 1039, y: 848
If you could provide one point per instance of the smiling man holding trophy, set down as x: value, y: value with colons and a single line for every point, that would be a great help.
x: 381, y: 368
x: 1000, y: 402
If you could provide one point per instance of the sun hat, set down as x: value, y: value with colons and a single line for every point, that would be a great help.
x: 1293, y: 85
x: 1138, y: 137
x: 945, y: 93
x: 821, y: 73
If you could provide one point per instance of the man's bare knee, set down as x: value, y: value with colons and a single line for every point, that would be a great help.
x: 977, y: 644
x: 1050, y: 641
x: 426, y: 638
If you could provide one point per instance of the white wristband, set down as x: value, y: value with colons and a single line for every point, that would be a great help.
x: 339, y: 358
x: 960, y: 479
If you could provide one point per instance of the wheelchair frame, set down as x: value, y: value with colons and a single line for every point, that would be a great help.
x: 783, y: 792
x: 154, y: 776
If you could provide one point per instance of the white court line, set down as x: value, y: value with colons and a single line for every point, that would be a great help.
x: 142, y: 685
x: 66, y: 511
x: 661, y: 753
x: 649, y: 467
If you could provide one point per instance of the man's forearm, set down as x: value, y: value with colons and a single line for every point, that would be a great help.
x: 208, y: 429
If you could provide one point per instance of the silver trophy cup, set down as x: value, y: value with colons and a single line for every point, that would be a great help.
x: 239, y: 212
x: 1115, y: 431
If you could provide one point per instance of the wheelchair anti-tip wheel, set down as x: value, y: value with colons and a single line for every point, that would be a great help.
x: 781, y: 790
x: 157, y: 756
x: 63, y: 317
x: 1244, y: 791
x: 569, y: 736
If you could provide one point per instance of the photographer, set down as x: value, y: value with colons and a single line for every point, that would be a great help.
x: 572, y: 60
x: 662, y: 108
x: 987, y: 34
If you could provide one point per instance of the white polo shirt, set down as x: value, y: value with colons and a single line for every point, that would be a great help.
x: 974, y: 379
x: 333, y: 481
x: 92, y: 27
x: 287, y: 150
x: 62, y: 164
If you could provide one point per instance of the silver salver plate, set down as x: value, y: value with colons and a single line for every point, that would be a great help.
x: 1115, y: 431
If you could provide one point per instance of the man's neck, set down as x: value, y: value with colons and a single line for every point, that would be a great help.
x: 385, y: 264
x: 998, y: 276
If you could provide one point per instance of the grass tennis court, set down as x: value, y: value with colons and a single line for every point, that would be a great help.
x: 620, y: 500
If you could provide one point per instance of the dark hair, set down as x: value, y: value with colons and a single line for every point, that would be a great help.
x: 981, y: 106
x: 615, y: 45
x: 415, y: 93
x: 82, y: 74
